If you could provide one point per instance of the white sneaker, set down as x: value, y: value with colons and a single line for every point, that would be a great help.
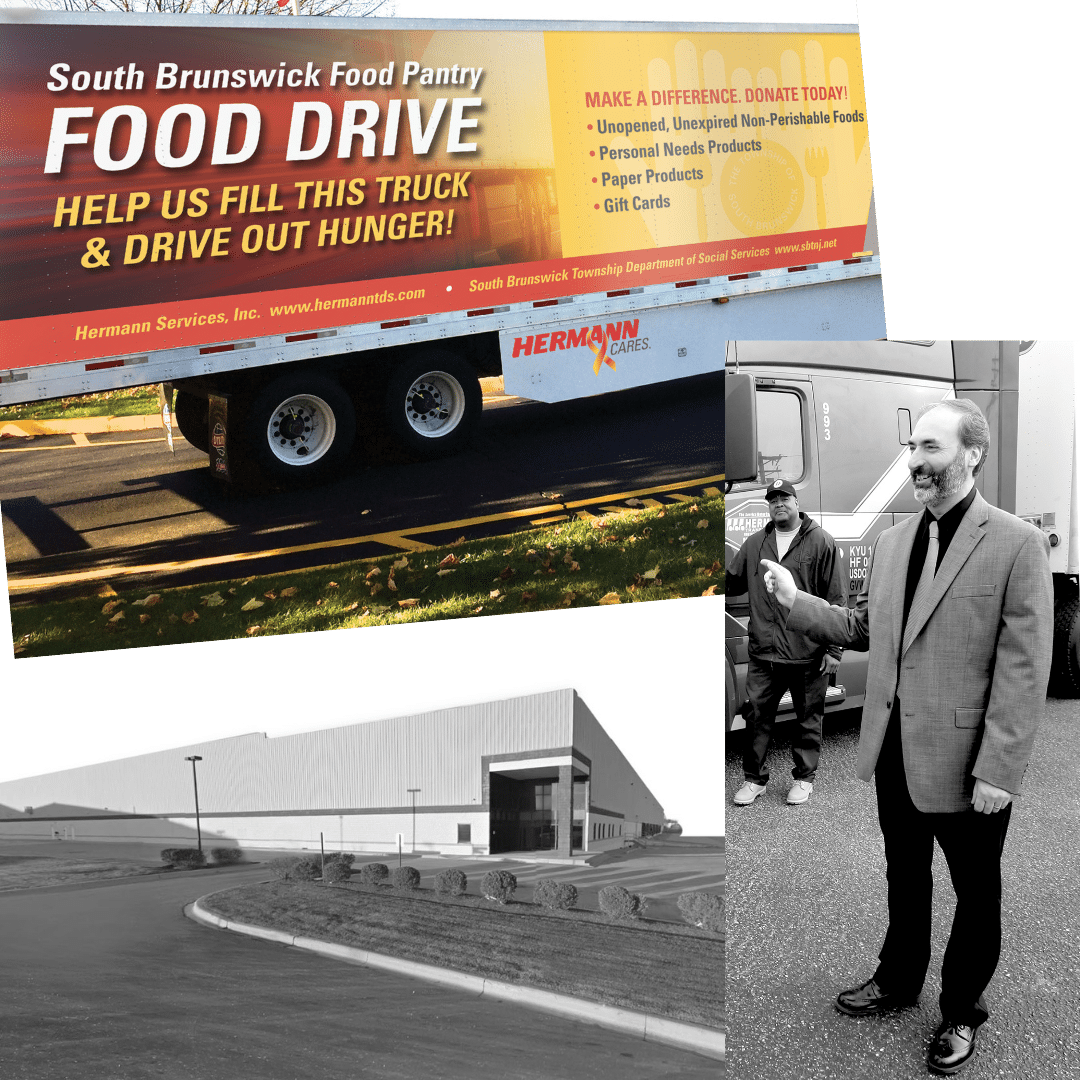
x: 800, y: 792
x: 748, y: 793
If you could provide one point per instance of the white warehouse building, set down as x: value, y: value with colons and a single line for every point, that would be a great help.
x: 526, y: 774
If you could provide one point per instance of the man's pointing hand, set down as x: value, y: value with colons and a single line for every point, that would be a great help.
x: 779, y: 582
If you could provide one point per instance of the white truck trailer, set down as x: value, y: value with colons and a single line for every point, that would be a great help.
x: 304, y: 225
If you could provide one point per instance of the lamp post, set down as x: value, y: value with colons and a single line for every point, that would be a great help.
x: 413, y: 791
x: 195, y: 781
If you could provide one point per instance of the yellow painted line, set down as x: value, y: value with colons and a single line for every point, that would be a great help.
x: 652, y: 504
x: 584, y: 515
x: 79, y: 439
x: 75, y: 446
x: 678, y: 497
x: 712, y: 492
x: 549, y: 520
x: 27, y: 584
x: 399, y: 541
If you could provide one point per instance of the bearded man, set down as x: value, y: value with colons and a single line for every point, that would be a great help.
x: 957, y: 612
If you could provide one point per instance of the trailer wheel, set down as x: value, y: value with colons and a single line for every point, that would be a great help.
x: 192, y: 415
x: 301, y: 426
x: 1065, y: 673
x: 432, y: 404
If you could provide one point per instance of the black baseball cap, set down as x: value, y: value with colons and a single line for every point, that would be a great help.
x: 780, y: 487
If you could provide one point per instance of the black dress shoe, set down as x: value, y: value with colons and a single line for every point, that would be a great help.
x: 869, y: 999
x: 952, y: 1048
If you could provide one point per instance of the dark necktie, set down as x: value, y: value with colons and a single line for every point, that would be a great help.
x: 923, y: 589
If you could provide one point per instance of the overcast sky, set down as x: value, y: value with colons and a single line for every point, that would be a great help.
x: 831, y: 11
x: 670, y: 731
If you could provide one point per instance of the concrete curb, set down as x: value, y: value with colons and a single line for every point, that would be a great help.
x: 693, y: 1037
x: 82, y: 425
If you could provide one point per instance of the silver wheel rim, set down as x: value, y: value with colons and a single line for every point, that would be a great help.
x: 301, y: 430
x: 434, y: 404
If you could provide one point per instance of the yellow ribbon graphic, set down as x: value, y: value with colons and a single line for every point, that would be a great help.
x: 600, y: 351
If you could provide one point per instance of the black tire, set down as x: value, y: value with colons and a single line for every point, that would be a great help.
x: 298, y: 428
x: 1065, y: 673
x: 432, y: 404
x: 192, y: 415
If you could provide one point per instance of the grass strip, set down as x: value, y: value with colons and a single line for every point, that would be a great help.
x: 640, y: 555
x: 36, y: 872
x: 658, y: 968
x: 133, y: 401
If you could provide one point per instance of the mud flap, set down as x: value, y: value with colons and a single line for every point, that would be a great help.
x: 219, y: 437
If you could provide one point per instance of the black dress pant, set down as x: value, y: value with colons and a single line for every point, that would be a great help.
x: 765, y: 686
x: 972, y: 844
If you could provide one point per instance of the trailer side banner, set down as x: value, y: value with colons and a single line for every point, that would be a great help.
x: 187, y: 184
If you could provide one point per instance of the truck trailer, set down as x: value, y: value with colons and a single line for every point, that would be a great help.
x: 835, y: 421
x: 306, y: 225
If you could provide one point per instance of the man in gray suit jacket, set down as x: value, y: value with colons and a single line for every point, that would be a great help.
x: 957, y: 612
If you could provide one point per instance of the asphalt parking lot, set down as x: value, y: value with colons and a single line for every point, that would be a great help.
x: 806, y: 916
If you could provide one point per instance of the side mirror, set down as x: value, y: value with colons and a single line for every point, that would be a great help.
x: 740, y: 423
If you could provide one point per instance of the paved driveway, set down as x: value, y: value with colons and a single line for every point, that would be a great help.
x: 806, y: 917
x: 111, y: 982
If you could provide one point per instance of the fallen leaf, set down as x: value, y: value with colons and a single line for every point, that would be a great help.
x: 568, y: 558
x: 147, y: 601
x: 494, y: 594
x: 508, y: 551
x: 319, y: 603
x: 253, y: 630
x: 247, y: 581
x: 574, y: 566
x: 408, y: 603
x: 190, y: 617
x: 531, y: 555
x: 144, y: 618
x: 117, y: 617
x: 690, y: 560
x: 710, y: 591
x: 661, y: 513
x: 252, y: 605
x: 363, y: 512
x: 476, y: 611
x: 111, y: 606
x: 270, y: 595
x: 391, y: 584
x: 292, y: 590
x: 553, y: 495
x: 651, y: 575
x: 353, y: 606
x: 376, y: 588
x: 374, y: 572
x: 459, y: 541
x: 527, y: 596
x: 232, y: 592
x: 506, y: 573
x: 331, y: 584
x: 694, y: 508
x: 401, y: 563
x: 646, y: 532
x: 106, y: 590
x: 609, y: 598
x: 703, y: 523
x: 450, y: 560
x: 214, y: 599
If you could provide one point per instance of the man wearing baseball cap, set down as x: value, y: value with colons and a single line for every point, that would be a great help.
x: 782, y: 659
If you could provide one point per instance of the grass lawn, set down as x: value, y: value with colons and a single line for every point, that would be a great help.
x: 135, y: 401
x: 38, y: 871
x: 657, y: 968
x: 639, y: 555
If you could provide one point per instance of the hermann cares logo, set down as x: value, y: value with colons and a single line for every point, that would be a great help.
x: 604, y: 342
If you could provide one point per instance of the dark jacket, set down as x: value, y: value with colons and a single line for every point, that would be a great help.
x: 814, y: 562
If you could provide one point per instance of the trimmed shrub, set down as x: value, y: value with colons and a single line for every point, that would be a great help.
x: 335, y: 871
x: 619, y: 903
x: 405, y: 877
x: 168, y: 855
x: 186, y: 858
x: 226, y: 856
x: 282, y: 868
x: 703, y: 909
x: 498, y: 885
x: 373, y: 872
x: 451, y: 882
x: 557, y: 895
x: 309, y: 868
x: 346, y: 857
